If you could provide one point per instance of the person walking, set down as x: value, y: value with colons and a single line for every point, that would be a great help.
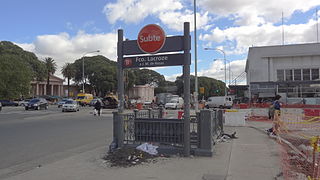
x: 97, y: 107
x: 274, y: 115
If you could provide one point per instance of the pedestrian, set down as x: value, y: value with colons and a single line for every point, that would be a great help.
x: 274, y: 115
x: 97, y: 107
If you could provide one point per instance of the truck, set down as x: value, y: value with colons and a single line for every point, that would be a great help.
x: 219, y: 102
x: 84, y: 98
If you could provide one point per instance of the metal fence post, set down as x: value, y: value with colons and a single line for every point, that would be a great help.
x: 115, y: 127
x: 149, y: 112
x: 161, y: 112
x: 219, y: 116
x: 135, y: 112
x: 205, y: 133
x: 120, y: 130
x: 118, y: 133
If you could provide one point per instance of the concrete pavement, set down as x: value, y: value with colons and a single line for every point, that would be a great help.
x: 250, y: 157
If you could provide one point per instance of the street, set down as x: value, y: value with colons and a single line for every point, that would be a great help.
x: 29, y: 139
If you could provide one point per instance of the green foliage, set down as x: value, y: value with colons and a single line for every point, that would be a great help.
x: 212, y: 87
x: 51, y: 68
x: 68, y: 72
x: 17, y: 69
x: 100, y: 74
x: 147, y: 76
x: 30, y: 59
x: 15, y: 77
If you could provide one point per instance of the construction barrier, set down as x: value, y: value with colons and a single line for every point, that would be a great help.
x: 299, y: 138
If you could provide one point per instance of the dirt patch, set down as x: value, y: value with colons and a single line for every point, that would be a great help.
x: 127, y: 157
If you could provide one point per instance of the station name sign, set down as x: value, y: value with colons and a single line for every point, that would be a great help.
x: 153, y: 61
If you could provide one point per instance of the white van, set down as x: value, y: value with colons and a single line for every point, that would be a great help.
x: 219, y: 102
x: 175, y: 103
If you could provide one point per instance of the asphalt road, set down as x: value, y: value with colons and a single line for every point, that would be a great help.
x: 29, y: 139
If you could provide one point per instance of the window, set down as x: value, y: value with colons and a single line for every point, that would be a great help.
x: 297, y: 74
x: 314, y: 74
x: 280, y: 75
x: 306, y: 74
x: 289, y: 76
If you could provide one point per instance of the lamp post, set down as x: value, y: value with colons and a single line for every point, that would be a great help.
x: 195, y: 57
x: 225, y: 67
x: 230, y: 72
x: 83, y: 66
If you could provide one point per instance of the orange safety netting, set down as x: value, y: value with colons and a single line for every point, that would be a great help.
x: 299, y: 136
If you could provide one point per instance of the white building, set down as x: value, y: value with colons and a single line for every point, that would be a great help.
x: 142, y: 92
x: 289, y: 70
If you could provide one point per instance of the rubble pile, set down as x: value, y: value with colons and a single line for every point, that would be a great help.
x: 126, y: 157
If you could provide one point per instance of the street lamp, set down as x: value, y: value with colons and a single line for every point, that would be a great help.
x: 230, y: 75
x: 83, y: 66
x: 225, y: 67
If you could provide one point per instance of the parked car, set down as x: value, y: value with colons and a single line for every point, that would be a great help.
x: 84, y: 98
x: 176, y: 103
x: 37, y: 104
x: 8, y: 103
x: 219, y: 102
x: 23, y: 102
x: 70, y: 105
x: 60, y: 103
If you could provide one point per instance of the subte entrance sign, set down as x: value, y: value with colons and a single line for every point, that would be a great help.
x: 175, y: 51
x: 151, y: 38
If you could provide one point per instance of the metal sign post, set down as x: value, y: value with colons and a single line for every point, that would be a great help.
x: 132, y: 54
x: 186, y: 87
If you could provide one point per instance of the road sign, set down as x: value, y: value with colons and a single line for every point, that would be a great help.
x: 153, y: 61
x: 151, y: 38
x: 201, y: 90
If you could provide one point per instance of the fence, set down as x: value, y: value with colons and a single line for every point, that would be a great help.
x: 150, y: 126
x: 299, y: 139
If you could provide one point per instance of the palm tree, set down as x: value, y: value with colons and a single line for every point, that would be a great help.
x: 51, y: 67
x: 68, y: 72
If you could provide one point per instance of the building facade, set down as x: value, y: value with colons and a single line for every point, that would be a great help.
x: 289, y: 70
x: 142, y: 92
x: 39, y: 88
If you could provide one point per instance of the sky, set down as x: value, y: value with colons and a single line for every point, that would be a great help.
x: 67, y: 29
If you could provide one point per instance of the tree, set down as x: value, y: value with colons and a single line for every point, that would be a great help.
x: 100, y: 74
x: 51, y: 68
x: 212, y: 86
x: 17, y: 69
x: 15, y: 77
x: 68, y: 72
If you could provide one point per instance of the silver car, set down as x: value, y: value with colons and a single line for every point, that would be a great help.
x: 70, y: 105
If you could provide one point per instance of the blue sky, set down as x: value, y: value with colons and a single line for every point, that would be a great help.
x: 66, y: 30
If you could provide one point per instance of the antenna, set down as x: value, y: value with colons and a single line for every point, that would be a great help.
x: 282, y: 30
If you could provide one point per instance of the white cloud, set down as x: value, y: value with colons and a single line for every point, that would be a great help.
x: 133, y: 11
x: 175, y: 20
x: 170, y: 12
x: 216, y: 70
x: 267, y: 34
x: 63, y: 48
x: 172, y: 77
x: 254, y: 12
